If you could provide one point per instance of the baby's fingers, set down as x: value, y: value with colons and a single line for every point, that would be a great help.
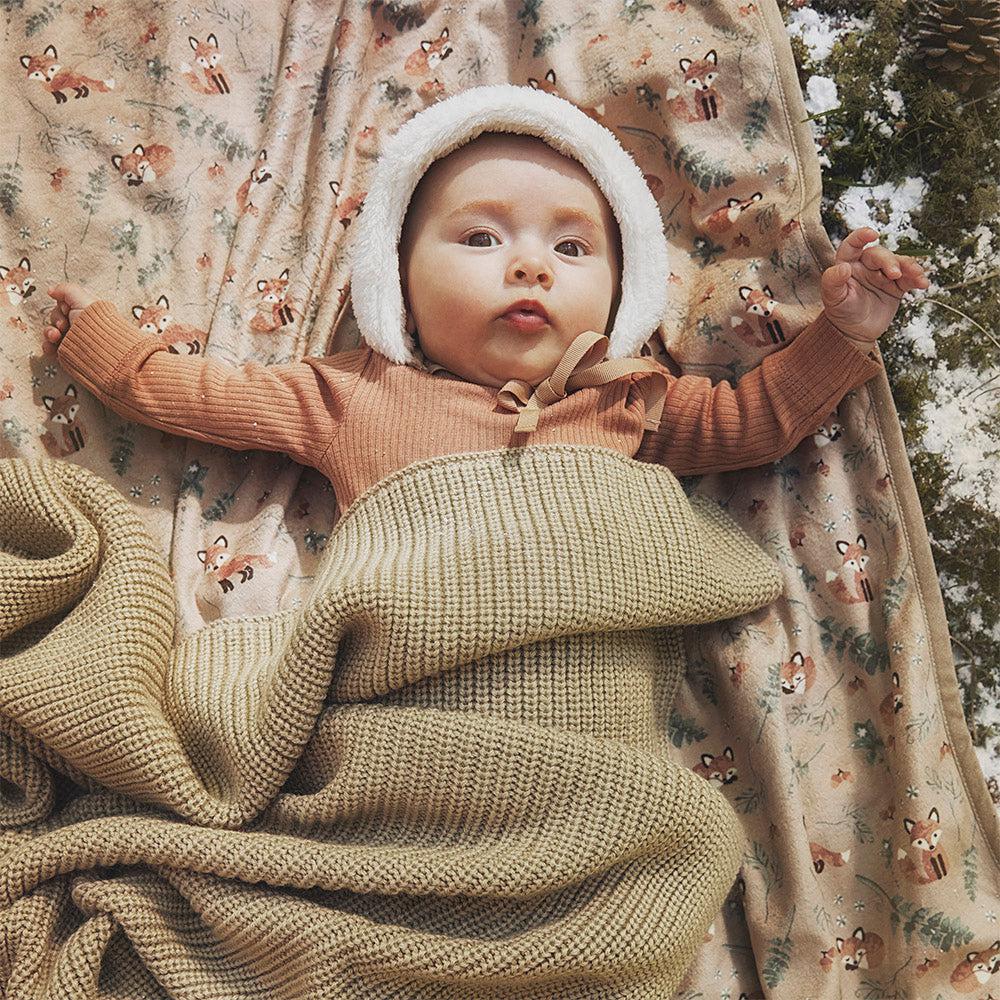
x: 877, y: 258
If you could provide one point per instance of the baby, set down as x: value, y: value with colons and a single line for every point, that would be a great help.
x: 512, y: 268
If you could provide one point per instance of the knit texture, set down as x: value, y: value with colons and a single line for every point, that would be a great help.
x: 443, y: 777
x: 357, y: 417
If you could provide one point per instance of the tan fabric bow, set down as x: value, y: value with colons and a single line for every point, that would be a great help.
x: 583, y: 364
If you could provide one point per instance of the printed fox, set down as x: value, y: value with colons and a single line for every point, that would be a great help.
x: 821, y: 857
x: 931, y: 864
x: 429, y: 56
x: 276, y: 302
x: 861, y: 950
x: 46, y: 68
x: 798, y: 674
x: 208, y: 57
x: 18, y: 282
x: 144, y: 163
x: 218, y: 560
x: 759, y: 303
x: 850, y: 583
x: 699, y: 76
x: 892, y: 703
x: 723, y: 218
x: 717, y: 768
x: 62, y: 415
x: 976, y: 969
x: 259, y: 175
x: 156, y: 321
x: 346, y: 207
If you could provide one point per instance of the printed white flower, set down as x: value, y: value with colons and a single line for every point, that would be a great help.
x: 136, y: 491
x: 991, y: 916
x: 155, y: 499
x: 911, y: 792
x: 182, y: 20
x: 796, y: 630
x: 762, y: 168
x: 830, y: 526
x: 46, y: 222
x: 44, y: 243
x: 859, y: 904
x: 112, y: 119
x: 862, y: 731
x: 117, y: 138
x: 828, y: 498
x: 897, y: 646
x: 24, y: 232
x: 845, y: 516
x: 838, y: 899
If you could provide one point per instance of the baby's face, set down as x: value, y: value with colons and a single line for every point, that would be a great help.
x: 549, y: 236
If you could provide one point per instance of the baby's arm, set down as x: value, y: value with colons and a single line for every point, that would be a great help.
x: 708, y: 428
x: 294, y: 408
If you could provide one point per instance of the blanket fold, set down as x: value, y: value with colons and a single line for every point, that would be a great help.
x: 446, y: 773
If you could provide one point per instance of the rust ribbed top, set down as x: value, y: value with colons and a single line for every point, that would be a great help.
x: 356, y: 416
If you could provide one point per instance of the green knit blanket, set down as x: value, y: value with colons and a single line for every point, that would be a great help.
x: 446, y: 776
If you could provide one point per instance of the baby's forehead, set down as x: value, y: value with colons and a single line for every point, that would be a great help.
x: 450, y: 179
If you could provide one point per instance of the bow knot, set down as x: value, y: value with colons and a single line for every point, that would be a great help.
x: 583, y: 364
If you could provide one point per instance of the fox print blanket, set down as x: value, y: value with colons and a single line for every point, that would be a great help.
x: 202, y: 165
x: 444, y: 776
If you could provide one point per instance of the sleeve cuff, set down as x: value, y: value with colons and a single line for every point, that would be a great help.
x: 99, y: 341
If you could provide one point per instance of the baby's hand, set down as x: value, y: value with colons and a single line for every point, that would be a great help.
x: 862, y: 292
x: 71, y: 300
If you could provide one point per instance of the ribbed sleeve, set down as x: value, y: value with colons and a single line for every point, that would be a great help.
x: 295, y: 408
x: 715, y: 428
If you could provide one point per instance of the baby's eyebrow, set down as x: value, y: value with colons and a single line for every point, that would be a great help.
x: 501, y: 208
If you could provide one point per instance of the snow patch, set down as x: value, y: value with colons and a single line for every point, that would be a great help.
x: 885, y: 207
x: 820, y: 32
x: 955, y: 418
x: 821, y: 94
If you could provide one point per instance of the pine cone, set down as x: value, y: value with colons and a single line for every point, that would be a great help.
x: 958, y: 41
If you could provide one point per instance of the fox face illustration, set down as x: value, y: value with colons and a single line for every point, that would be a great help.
x: 722, y: 219
x: 798, y: 674
x: 850, y: 583
x: 62, y: 416
x: 976, y: 969
x: 717, y: 768
x: 699, y: 76
x: 18, y: 282
x: 156, y: 321
x: 207, y: 57
x: 924, y: 861
x: 144, y: 163
x: 275, y: 308
x: 861, y: 950
x: 217, y: 559
x: 761, y: 304
x: 48, y: 71
x: 429, y: 56
x: 259, y: 175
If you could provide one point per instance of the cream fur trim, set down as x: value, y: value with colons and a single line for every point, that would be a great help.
x: 376, y: 288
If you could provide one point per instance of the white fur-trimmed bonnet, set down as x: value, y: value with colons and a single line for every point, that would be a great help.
x: 376, y: 288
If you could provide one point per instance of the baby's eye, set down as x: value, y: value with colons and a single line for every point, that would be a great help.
x: 575, y: 243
